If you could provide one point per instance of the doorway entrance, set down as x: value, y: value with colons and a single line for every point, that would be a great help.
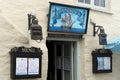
x: 62, y: 60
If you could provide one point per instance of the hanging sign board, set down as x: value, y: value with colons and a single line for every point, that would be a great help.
x: 67, y: 19
x: 102, y: 61
x: 25, y: 62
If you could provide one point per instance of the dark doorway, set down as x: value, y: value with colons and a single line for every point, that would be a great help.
x: 51, y: 59
x: 60, y: 60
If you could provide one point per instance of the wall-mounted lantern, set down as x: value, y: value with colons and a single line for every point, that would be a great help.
x: 102, y: 35
x: 34, y: 27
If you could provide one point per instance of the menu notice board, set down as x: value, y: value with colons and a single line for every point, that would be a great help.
x: 27, y: 66
x: 26, y: 63
x: 102, y: 61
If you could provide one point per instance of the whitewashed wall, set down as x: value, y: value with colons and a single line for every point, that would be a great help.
x: 14, y: 33
x: 111, y: 23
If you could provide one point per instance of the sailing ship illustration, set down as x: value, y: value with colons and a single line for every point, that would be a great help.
x: 67, y: 22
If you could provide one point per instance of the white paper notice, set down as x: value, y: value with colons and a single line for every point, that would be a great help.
x: 104, y: 63
x: 21, y: 66
x: 33, y: 66
x: 100, y: 63
x: 107, y: 63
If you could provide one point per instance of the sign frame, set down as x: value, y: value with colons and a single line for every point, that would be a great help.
x: 27, y: 53
x: 96, y: 63
x: 67, y: 21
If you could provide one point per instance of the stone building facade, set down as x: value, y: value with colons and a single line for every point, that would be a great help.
x: 14, y: 33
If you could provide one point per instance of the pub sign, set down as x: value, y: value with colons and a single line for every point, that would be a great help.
x: 67, y: 19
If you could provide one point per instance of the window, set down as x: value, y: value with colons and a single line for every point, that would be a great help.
x: 94, y: 4
x: 84, y: 1
x: 100, y: 3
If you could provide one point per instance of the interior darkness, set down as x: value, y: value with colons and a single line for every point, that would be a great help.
x: 50, y: 46
x: 51, y: 60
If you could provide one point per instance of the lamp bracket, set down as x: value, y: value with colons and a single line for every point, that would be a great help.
x: 96, y: 28
x: 31, y: 20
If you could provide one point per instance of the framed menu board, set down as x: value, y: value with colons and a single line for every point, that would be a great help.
x: 26, y: 63
x: 102, y: 61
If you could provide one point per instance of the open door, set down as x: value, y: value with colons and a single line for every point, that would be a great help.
x: 60, y: 57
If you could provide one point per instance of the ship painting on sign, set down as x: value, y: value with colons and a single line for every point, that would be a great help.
x: 68, y: 19
x: 67, y: 22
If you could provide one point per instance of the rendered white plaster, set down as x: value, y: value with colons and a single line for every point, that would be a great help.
x: 14, y: 33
